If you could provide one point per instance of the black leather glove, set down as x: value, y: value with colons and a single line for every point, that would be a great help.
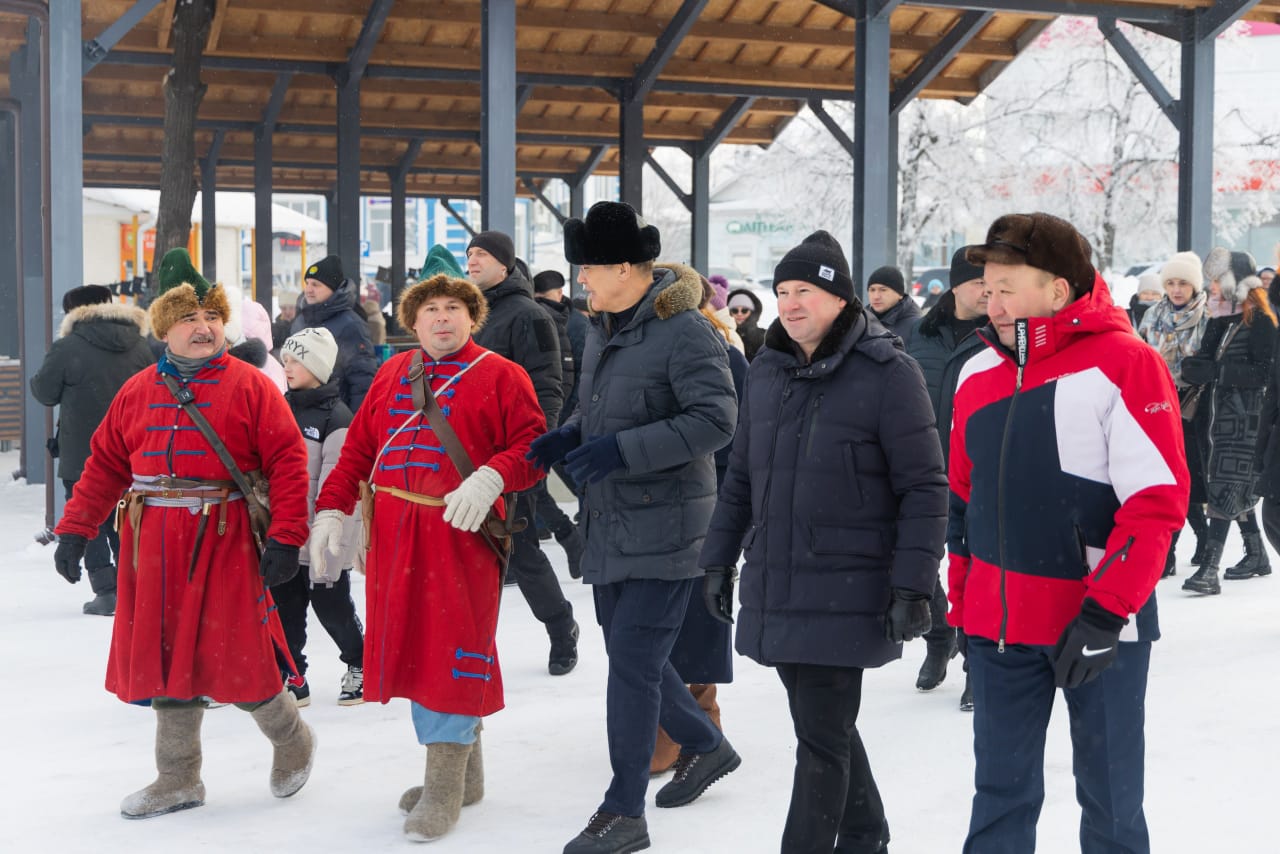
x: 279, y: 563
x: 1087, y: 647
x: 908, y: 615
x: 66, y: 557
x: 962, y: 643
x: 717, y: 592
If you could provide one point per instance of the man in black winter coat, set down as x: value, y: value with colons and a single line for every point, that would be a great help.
x: 837, y: 495
x: 942, y: 343
x: 520, y: 330
x: 657, y: 401
x: 331, y: 300
x: 887, y: 298
x: 100, y: 345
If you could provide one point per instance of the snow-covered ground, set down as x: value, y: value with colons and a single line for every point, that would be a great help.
x: 71, y: 751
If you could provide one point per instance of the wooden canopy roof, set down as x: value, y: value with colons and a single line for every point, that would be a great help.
x: 422, y: 81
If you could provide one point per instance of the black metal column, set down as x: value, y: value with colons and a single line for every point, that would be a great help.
x: 9, y: 263
x: 631, y: 152
x: 873, y: 183
x: 347, y: 201
x: 26, y: 86
x: 498, y: 116
x: 66, y: 148
x: 1195, y: 138
x: 700, y: 211
x: 264, y: 242
x: 398, y: 198
x: 331, y: 221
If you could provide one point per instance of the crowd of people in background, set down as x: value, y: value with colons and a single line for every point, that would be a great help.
x: 851, y: 456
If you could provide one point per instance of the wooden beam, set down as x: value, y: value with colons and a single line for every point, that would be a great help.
x: 166, y: 25
x: 215, y: 26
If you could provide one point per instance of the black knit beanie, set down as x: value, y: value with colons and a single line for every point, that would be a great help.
x: 820, y: 261
x: 496, y: 244
x: 327, y: 271
x: 547, y: 280
x: 890, y: 277
x: 962, y: 270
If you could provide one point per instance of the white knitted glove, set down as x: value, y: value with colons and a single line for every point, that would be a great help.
x: 325, y: 545
x: 466, y: 507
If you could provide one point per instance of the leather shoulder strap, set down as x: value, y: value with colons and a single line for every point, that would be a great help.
x: 425, y: 400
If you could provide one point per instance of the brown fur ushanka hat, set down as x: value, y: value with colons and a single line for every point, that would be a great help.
x: 184, y: 291
x: 442, y: 285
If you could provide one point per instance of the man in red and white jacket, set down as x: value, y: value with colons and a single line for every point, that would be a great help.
x: 1067, y: 481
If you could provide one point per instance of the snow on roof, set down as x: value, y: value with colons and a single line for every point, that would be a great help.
x: 234, y: 210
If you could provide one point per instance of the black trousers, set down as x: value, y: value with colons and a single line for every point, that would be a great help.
x: 641, y: 618
x: 549, y: 512
x: 533, y: 573
x: 835, y: 805
x: 940, y: 634
x: 333, y: 606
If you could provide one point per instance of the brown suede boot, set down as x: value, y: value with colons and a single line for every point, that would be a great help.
x: 437, y: 810
x: 666, y: 751
x: 705, y: 695
x: 665, y: 754
x: 472, y: 787
x: 293, y: 740
x: 178, y: 785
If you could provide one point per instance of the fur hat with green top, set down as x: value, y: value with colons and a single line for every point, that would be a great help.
x: 184, y: 291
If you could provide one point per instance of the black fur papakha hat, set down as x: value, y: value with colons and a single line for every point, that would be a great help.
x: 612, y: 233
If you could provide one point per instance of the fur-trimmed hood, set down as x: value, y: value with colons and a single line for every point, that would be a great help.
x: 682, y: 294
x: 108, y: 312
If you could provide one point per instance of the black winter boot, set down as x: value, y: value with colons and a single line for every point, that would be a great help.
x: 934, y: 669
x: 1255, y: 559
x: 610, y: 833
x: 1171, y: 559
x: 102, y: 580
x: 1205, y: 579
x: 694, y: 774
x: 1200, y: 527
x: 564, y: 646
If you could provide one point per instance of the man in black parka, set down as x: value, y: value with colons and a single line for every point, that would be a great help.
x: 331, y: 300
x: 837, y: 495
x: 520, y: 330
x: 942, y: 343
x: 100, y: 345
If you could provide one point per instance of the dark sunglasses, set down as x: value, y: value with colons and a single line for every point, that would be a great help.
x: 739, y: 311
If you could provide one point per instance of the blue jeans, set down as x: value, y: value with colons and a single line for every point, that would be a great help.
x: 1013, y: 695
x: 641, y: 619
x: 434, y: 727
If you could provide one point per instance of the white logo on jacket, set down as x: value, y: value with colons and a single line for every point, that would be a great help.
x: 1158, y: 406
x: 311, y: 433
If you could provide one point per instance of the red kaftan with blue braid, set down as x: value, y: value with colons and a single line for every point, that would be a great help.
x: 214, y: 632
x: 431, y: 590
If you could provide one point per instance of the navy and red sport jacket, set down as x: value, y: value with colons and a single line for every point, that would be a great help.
x: 1068, y: 476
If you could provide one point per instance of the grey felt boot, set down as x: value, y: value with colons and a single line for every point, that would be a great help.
x: 437, y: 810
x: 293, y: 740
x: 177, y: 786
x: 472, y: 784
